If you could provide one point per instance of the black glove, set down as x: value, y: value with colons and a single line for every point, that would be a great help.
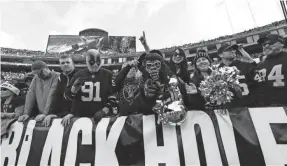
x: 113, y: 104
x: 77, y: 84
x: 150, y: 88
x: 100, y: 114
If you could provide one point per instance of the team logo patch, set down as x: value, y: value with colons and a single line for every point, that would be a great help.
x: 130, y: 92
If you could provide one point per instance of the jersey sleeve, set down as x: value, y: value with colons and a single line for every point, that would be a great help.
x: 68, y: 95
x: 30, y: 98
x: 56, y: 100
x: 118, y: 82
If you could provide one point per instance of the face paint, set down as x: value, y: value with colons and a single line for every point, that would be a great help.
x: 202, y: 64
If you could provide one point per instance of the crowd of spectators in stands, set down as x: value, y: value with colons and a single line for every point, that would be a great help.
x: 256, y: 29
x: 13, y: 75
x: 9, y: 51
x: 25, y: 52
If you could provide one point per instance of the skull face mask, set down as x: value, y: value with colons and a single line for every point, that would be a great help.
x: 153, y: 68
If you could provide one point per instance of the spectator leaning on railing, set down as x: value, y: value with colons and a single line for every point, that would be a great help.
x: 59, y: 105
x: 40, y: 91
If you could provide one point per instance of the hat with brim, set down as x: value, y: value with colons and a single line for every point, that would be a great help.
x: 38, y: 65
x: 271, y: 37
x: 10, y: 87
x: 227, y: 46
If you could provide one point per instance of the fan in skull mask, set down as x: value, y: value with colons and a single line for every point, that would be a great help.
x: 154, y: 68
x: 169, y: 105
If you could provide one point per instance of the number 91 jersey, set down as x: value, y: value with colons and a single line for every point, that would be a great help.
x: 93, y: 93
x: 272, y: 80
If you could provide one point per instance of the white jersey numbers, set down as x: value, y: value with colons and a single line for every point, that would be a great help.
x: 244, y: 87
x: 275, y: 75
x: 93, y: 95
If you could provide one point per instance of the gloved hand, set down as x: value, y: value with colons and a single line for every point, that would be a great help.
x: 77, y: 85
x: 150, y: 88
x: 100, y: 114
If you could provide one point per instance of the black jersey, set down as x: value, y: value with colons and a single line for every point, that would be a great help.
x: 271, y: 77
x: 93, y: 94
x: 131, y: 96
x: 247, y: 83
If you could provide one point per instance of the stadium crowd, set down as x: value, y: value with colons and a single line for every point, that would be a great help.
x: 136, y: 88
x: 25, y: 52
x: 13, y: 75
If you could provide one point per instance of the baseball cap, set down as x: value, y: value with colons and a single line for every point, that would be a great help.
x: 227, y: 46
x: 271, y: 37
x: 10, y: 87
x: 38, y: 65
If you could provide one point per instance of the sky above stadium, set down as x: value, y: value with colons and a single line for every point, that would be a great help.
x: 27, y: 24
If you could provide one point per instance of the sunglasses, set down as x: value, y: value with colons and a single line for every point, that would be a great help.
x: 177, y: 54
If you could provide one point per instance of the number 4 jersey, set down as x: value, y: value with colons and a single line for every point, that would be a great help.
x: 272, y: 81
x: 93, y: 94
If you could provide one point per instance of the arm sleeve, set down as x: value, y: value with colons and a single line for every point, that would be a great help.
x: 51, y: 95
x: 251, y: 71
x: 56, y: 99
x: 68, y: 95
x: 19, y: 111
x: 30, y: 98
x: 120, y: 78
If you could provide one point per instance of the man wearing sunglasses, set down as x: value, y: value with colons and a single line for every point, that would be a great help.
x: 272, y: 72
x: 228, y: 55
x: 41, y: 91
x: 59, y: 105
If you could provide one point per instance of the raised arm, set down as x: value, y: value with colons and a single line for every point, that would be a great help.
x: 144, y: 42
